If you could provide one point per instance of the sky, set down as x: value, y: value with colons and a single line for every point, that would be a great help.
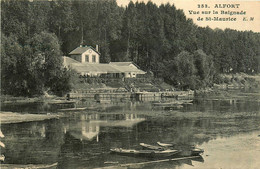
x: 247, y: 19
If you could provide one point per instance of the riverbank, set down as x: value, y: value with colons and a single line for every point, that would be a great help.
x: 229, y: 84
x: 225, y: 86
x: 32, y: 166
x: 11, y: 117
x: 237, y: 81
x: 40, y: 99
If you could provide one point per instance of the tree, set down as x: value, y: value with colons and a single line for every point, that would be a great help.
x: 11, y: 52
x: 60, y: 17
x: 45, y: 57
x: 62, y: 82
x: 14, y: 20
x: 153, y: 37
x: 205, y: 67
x: 185, y: 74
x: 33, y: 69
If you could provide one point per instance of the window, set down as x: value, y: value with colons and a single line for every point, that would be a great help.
x: 86, y: 58
x: 93, y: 58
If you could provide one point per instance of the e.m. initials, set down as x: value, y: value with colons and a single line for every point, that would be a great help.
x: 248, y: 19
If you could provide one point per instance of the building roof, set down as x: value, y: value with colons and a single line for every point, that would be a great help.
x: 100, y: 67
x: 94, y: 68
x: 123, y: 64
x: 67, y: 61
x: 128, y: 69
x: 80, y: 50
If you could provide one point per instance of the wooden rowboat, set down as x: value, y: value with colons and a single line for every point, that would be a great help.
x: 165, y: 144
x: 175, y: 103
x: 144, y: 153
x: 74, y: 109
x: 196, y: 151
x: 151, y: 147
x: 193, y: 151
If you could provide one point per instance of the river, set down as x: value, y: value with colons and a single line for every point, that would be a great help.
x: 227, y: 129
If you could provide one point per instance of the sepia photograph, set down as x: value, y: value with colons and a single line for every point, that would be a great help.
x: 120, y: 84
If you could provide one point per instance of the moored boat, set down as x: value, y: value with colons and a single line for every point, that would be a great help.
x: 187, y: 101
x: 196, y: 151
x: 151, y: 147
x: 185, y: 150
x: 165, y: 144
x: 174, y: 103
x: 144, y: 153
x: 74, y: 109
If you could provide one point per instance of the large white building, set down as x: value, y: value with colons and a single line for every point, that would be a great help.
x: 86, y: 61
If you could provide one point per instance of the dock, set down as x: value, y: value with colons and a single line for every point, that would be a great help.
x: 120, y: 93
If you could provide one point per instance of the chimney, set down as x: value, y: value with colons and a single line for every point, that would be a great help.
x: 96, y: 47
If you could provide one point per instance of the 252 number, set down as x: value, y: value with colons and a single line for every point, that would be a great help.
x: 203, y: 6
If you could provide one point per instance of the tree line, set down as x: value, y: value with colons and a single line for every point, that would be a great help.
x: 35, y: 34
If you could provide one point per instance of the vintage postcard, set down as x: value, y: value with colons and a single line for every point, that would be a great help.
x: 130, y: 84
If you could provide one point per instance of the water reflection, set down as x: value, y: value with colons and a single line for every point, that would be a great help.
x: 83, y: 139
x: 32, y: 143
x: 87, y: 127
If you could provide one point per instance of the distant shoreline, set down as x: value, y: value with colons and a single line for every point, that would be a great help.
x: 228, y: 82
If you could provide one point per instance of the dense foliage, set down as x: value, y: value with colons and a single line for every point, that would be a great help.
x: 157, y: 38
x: 33, y: 68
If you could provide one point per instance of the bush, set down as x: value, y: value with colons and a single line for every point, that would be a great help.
x: 218, y: 79
x: 63, y: 82
x: 226, y: 80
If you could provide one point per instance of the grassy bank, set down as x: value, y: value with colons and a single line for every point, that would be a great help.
x: 21, y: 99
x: 10, y: 117
x: 239, y: 80
x: 227, y: 85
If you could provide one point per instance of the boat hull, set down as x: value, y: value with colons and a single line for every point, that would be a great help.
x: 151, y: 147
x: 144, y: 153
x: 165, y: 144
x: 185, y: 150
x: 197, y: 151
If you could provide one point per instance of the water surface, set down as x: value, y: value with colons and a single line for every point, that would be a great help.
x: 227, y: 129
